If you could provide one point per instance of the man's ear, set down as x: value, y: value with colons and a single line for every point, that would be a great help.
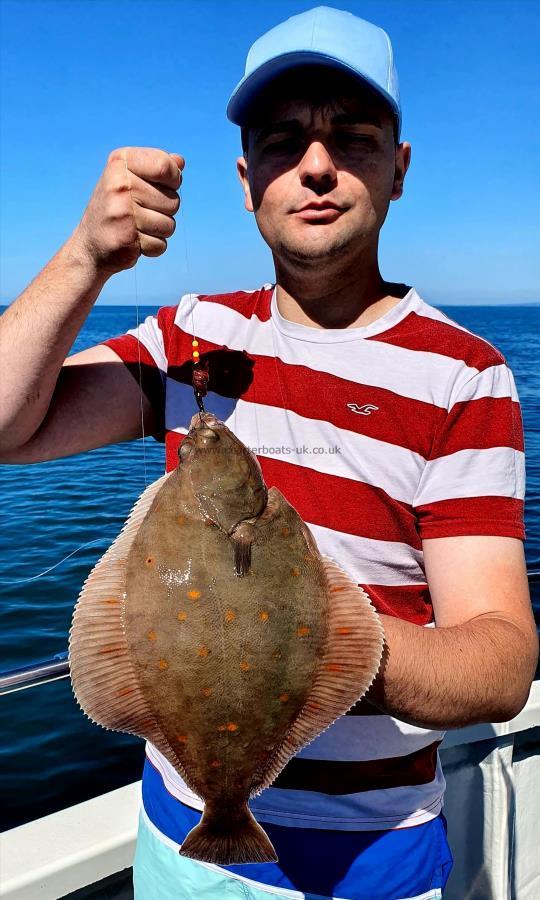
x: 403, y: 160
x: 242, y: 168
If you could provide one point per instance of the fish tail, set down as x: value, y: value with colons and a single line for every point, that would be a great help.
x: 227, y: 837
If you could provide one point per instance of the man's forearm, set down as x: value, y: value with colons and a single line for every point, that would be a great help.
x: 36, y: 334
x: 441, y: 678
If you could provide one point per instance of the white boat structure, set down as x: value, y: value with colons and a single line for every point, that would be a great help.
x: 492, y: 805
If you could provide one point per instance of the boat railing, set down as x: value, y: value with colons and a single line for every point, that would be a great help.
x: 57, y: 666
x: 32, y: 674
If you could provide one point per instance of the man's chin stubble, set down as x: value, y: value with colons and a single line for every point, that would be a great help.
x: 306, y: 255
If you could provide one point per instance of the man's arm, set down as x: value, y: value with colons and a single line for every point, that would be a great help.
x: 50, y: 406
x: 478, y: 663
x: 96, y: 402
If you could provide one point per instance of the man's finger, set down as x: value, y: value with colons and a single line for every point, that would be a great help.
x: 180, y: 161
x: 153, y: 196
x: 152, y: 164
x: 154, y: 223
x: 152, y: 246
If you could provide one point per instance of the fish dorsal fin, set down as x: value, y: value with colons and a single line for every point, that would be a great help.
x: 351, y: 660
x: 102, y: 676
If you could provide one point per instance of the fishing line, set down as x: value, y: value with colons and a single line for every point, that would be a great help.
x: 182, y: 216
x: 138, y: 337
x: 46, y: 571
x: 140, y: 377
x: 200, y: 375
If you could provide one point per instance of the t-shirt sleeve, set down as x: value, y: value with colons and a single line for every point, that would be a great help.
x: 143, y: 351
x: 474, y: 479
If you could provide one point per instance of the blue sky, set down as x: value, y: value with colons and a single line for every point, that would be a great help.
x: 81, y: 77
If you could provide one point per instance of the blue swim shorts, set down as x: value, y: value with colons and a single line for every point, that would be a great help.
x: 314, y: 864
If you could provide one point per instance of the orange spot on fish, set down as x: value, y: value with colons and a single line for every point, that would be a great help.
x: 182, y: 616
x: 344, y: 630
x: 194, y: 595
x: 244, y: 665
x: 338, y: 587
x: 206, y: 691
x: 295, y: 571
x: 181, y: 738
x: 263, y: 615
x: 125, y: 692
x: 163, y: 664
x: 180, y: 520
x: 334, y: 667
x: 111, y: 648
x: 150, y: 560
x: 303, y: 630
x: 232, y: 726
x: 215, y: 764
x: 313, y: 705
x: 285, y: 531
x: 283, y: 698
x: 230, y: 616
x: 203, y: 651
x: 112, y: 601
x: 151, y: 635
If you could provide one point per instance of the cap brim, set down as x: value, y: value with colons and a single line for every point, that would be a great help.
x: 247, y: 90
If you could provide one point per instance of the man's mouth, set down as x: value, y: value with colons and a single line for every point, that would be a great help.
x: 320, y: 212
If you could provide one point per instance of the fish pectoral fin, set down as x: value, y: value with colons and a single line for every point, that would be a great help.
x: 274, y: 505
x: 242, y: 538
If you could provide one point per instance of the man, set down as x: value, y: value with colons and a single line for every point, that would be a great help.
x: 421, y: 498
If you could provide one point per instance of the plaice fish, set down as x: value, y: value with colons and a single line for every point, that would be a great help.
x: 215, y: 629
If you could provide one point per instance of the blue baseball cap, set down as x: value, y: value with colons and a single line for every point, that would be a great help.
x: 322, y: 36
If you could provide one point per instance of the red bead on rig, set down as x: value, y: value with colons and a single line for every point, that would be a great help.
x: 200, y: 375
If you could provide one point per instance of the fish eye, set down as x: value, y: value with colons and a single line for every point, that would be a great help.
x: 184, y: 450
x: 208, y: 434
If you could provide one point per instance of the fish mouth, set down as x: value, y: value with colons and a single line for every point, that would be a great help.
x: 203, y: 420
x: 204, y: 426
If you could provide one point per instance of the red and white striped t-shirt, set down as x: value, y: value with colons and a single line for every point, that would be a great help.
x: 380, y: 436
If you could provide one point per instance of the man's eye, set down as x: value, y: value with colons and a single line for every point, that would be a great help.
x: 285, y: 144
x: 353, y: 136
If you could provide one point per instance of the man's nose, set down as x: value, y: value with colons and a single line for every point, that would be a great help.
x: 317, y: 164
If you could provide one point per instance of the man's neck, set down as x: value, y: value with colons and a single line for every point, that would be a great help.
x: 349, y: 302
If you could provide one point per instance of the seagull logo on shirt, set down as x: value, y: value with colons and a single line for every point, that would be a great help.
x: 364, y: 410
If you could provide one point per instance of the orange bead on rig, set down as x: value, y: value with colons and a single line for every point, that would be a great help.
x: 200, y: 375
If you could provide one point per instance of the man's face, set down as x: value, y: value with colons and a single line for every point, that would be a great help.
x: 319, y: 176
